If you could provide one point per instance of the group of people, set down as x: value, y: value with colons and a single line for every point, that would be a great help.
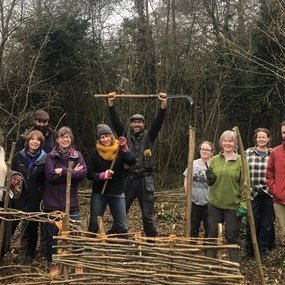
x: 218, y: 194
x: 121, y: 170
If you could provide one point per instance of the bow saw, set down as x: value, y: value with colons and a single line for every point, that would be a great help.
x: 146, y: 96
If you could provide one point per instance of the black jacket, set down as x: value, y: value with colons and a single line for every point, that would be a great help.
x: 32, y: 189
x: 97, y: 164
x: 140, y: 142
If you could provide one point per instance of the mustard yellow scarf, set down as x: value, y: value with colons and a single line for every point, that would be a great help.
x: 107, y: 152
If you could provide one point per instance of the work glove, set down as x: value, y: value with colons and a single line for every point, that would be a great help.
x: 210, y: 175
x: 147, y: 152
x: 241, y: 211
x: 16, y: 185
x: 106, y: 175
x: 123, y: 144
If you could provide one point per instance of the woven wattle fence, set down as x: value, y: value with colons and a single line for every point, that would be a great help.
x: 137, y: 260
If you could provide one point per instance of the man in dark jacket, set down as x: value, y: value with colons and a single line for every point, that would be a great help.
x: 41, y: 123
x: 139, y: 179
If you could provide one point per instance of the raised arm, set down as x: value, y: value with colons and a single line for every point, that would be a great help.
x: 116, y: 123
x: 158, y: 121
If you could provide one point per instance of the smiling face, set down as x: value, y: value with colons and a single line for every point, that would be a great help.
x: 34, y: 144
x: 106, y: 139
x: 206, y: 151
x: 228, y: 144
x: 64, y: 141
x: 137, y: 126
x: 228, y: 141
x: 262, y: 139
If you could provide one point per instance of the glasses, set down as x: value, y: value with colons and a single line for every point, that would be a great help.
x: 42, y: 121
x: 205, y: 149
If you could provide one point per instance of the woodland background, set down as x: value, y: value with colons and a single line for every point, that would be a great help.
x: 227, y: 54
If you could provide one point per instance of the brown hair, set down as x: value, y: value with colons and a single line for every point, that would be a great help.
x: 65, y: 131
x: 206, y: 142
x: 264, y: 130
x: 36, y: 134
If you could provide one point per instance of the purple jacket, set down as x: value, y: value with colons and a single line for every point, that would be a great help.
x: 55, y: 184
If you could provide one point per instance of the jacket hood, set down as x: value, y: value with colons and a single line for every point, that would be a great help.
x: 41, y: 158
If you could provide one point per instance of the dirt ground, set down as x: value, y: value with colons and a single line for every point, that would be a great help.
x: 170, y: 218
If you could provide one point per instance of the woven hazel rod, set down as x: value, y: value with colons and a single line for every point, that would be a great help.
x: 212, y: 263
x: 187, y: 269
x: 183, y: 249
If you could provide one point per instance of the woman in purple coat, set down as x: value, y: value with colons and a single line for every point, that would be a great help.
x: 55, y: 181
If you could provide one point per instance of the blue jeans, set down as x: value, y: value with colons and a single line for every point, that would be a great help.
x: 263, y: 213
x: 117, y: 207
x: 52, y: 230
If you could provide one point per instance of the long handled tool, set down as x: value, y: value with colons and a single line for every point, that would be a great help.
x: 7, y: 196
x: 146, y: 96
x: 249, y: 208
x: 111, y: 168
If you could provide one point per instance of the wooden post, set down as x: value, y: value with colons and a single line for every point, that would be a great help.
x: 220, y: 240
x: 66, y: 218
x: 101, y: 228
x: 249, y: 208
x: 191, y: 153
x: 7, y: 196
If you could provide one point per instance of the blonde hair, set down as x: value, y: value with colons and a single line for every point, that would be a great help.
x: 230, y: 134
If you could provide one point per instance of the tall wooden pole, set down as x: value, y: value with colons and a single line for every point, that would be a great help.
x: 7, y: 196
x: 65, y: 223
x: 248, y: 205
x: 191, y: 154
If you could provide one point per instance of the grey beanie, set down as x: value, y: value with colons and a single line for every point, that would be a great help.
x: 103, y: 129
x: 137, y: 117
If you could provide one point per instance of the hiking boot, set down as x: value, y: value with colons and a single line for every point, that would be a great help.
x: 78, y: 270
x: 54, y: 271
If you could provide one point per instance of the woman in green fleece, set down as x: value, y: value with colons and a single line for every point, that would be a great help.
x: 225, y: 179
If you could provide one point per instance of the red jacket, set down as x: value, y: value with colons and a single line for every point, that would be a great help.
x: 275, y: 174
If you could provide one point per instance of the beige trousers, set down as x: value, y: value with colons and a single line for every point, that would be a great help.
x: 280, y: 215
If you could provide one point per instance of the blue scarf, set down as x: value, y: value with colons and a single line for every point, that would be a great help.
x: 31, y: 158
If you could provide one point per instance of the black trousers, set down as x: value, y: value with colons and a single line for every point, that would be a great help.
x: 199, y: 214
x: 142, y: 189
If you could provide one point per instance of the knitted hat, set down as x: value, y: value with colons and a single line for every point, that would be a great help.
x: 41, y: 115
x: 103, y: 129
x: 137, y: 117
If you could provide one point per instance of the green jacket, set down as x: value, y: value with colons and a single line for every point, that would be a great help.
x: 227, y: 190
